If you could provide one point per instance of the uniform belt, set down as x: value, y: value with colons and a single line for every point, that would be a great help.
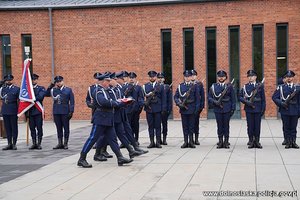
x: 105, y: 109
x: 225, y: 100
x: 293, y: 102
x: 257, y: 99
x: 56, y: 102
x: 11, y: 102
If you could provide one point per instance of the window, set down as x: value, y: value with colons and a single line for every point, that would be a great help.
x: 211, y: 55
x: 282, y: 49
x: 234, y: 61
x: 6, y: 54
x: 257, y: 50
x: 188, y: 35
x: 27, y: 48
x: 166, y: 55
x: 211, y: 61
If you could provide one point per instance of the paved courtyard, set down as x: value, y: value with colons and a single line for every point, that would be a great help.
x: 167, y: 173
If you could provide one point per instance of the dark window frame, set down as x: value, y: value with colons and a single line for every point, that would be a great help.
x: 167, y: 30
x: 4, y: 70
x: 209, y: 29
x: 287, y: 48
x: 23, y: 36
x: 237, y: 114
x: 184, y: 60
x: 229, y: 48
x: 262, y: 44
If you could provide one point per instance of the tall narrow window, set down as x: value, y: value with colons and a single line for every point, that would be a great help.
x: 166, y: 55
x: 282, y: 49
x: 257, y: 50
x: 27, y: 47
x: 234, y: 61
x: 211, y: 61
x: 188, y: 35
x: 6, y: 54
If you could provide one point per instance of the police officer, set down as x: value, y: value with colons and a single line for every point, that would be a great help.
x: 63, y: 108
x: 187, y: 98
x: 287, y: 98
x: 9, y: 94
x: 116, y: 95
x: 103, y: 123
x: 202, y: 103
x: 253, y: 96
x: 133, y: 111
x: 155, y: 103
x: 221, y: 97
x: 165, y: 115
x: 89, y: 99
x: 281, y: 81
x: 126, y: 123
x: 36, y: 114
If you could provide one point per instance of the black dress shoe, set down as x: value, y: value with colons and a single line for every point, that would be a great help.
x: 184, y: 145
x: 151, y: 145
x: 123, y: 160
x: 295, y: 146
x: 100, y: 158
x: 284, y: 142
x: 251, y: 145
x: 8, y: 147
x: 14, y: 147
x: 258, y: 145
x: 158, y: 145
x: 106, y: 154
x: 83, y: 163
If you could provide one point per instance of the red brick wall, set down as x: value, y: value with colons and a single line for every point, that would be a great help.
x: 89, y: 40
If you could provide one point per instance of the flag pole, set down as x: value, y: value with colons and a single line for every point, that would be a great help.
x: 27, y: 131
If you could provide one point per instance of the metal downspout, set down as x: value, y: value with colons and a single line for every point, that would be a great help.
x: 51, y: 43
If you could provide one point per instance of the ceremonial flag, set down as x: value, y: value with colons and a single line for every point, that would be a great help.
x: 26, y: 96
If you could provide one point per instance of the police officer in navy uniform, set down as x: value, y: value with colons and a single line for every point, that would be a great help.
x: 9, y: 94
x: 165, y: 115
x: 202, y: 103
x: 133, y: 111
x: 223, y: 108
x: 126, y: 123
x: 281, y: 81
x: 187, y: 98
x: 287, y: 98
x: 103, y: 123
x: 89, y: 99
x: 254, y: 107
x: 36, y: 115
x: 63, y: 108
x: 155, y: 104
x: 116, y: 95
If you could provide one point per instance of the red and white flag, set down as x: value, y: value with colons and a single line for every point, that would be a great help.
x: 26, y: 96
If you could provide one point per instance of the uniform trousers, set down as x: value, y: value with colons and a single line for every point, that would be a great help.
x: 11, y: 127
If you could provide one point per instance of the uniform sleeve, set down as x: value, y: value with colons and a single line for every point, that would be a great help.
x: 41, y: 94
x: 263, y: 98
x: 169, y: 99
x: 276, y: 97
x: 233, y: 98
x: 202, y: 96
x: 176, y: 96
x: 72, y: 101
x: 163, y: 99
x: 241, y: 96
x: 140, y: 97
x: 210, y: 97
x: 197, y: 98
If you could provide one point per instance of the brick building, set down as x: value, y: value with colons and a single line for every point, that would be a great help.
x: 77, y: 38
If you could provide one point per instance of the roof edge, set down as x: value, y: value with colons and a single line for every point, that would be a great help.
x: 120, y: 4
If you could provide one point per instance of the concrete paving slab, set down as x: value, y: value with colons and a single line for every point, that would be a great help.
x: 167, y: 173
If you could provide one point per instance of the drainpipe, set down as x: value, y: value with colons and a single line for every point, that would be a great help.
x: 51, y: 43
